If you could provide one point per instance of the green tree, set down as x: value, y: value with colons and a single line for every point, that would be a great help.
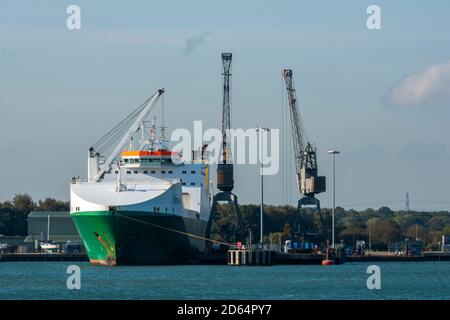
x: 50, y: 204
x: 446, y: 230
x: 416, y: 230
x: 23, y: 204
x: 438, y: 222
x: 385, y: 212
x: 384, y: 231
x: 287, y: 231
x: 12, y: 221
x: 368, y: 214
x: 353, y: 233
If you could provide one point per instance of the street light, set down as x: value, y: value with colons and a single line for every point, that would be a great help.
x: 258, y: 129
x: 334, y: 153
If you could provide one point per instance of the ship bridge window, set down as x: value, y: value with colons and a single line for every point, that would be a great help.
x: 144, y: 160
x: 125, y: 160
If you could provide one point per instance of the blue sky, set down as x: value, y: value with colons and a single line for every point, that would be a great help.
x: 60, y: 90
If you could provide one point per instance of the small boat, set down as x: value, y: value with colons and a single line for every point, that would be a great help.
x: 49, y: 247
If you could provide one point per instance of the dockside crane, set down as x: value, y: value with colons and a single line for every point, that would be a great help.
x: 225, y: 182
x: 308, y: 181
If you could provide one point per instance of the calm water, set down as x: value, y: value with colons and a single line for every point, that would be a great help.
x: 47, y: 280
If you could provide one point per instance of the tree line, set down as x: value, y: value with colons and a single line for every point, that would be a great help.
x: 378, y: 227
x: 14, y: 213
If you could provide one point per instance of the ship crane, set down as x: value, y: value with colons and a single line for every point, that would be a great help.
x: 225, y: 182
x: 309, y: 183
x: 130, y: 125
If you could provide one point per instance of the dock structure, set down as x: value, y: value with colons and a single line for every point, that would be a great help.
x: 301, y: 258
x: 241, y: 257
x: 247, y: 257
x: 426, y: 256
x: 437, y: 256
x: 43, y: 257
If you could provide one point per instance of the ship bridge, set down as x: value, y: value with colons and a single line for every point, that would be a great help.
x: 150, y: 158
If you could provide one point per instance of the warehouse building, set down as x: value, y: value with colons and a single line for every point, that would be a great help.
x: 56, y: 227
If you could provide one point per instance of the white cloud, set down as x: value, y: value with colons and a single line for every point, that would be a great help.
x: 432, y: 84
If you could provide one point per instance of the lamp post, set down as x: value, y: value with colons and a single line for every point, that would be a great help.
x: 48, y: 227
x: 334, y: 153
x: 259, y: 129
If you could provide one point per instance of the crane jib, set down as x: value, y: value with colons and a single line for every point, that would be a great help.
x: 305, y: 153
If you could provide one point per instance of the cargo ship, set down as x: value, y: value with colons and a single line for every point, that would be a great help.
x: 141, y: 205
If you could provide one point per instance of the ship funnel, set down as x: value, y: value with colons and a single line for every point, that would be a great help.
x: 93, y: 162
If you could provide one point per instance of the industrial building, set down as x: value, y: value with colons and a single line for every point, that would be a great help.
x: 57, y: 227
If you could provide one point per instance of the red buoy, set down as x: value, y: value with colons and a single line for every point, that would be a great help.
x: 328, y: 262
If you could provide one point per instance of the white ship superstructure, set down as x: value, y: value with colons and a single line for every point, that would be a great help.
x: 138, y: 206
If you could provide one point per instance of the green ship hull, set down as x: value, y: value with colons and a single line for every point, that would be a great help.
x: 139, y: 238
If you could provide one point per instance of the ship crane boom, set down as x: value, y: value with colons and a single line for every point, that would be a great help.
x: 128, y: 135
